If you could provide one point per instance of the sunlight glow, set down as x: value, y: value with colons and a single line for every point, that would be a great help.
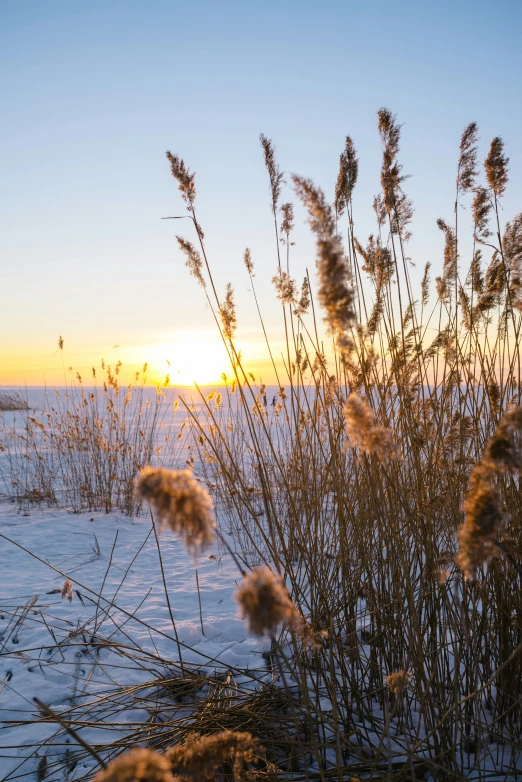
x: 190, y: 357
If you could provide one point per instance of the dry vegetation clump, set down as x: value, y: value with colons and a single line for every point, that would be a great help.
x: 384, y: 472
x: 198, y: 758
x: 262, y: 712
x: 86, y: 446
x: 10, y: 402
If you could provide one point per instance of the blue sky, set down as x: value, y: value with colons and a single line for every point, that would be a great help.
x: 94, y: 93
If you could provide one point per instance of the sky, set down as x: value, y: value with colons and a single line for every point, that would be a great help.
x: 93, y: 94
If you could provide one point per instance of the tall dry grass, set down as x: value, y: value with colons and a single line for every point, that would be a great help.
x: 86, y: 446
x: 352, y: 486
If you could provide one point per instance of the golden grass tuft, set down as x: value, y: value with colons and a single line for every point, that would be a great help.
x: 200, y: 756
x: 179, y: 502
x: 264, y: 601
x: 137, y: 765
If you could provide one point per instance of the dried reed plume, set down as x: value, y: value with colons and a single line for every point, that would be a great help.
x: 287, y: 226
x: 227, y: 313
x: 399, y: 681
x: 247, y: 260
x: 503, y: 451
x: 347, y: 177
x: 362, y: 430
x: 335, y: 294
x: 67, y: 591
x: 496, y: 167
x: 378, y: 261
x: 285, y: 287
x: 481, y: 208
x: 391, y: 178
x: 477, y: 535
x: 512, y: 241
x: 193, y: 262
x: 313, y: 639
x: 467, y: 166
x: 512, y: 246
x: 475, y: 276
x: 483, y: 518
x: 446, y: 282
x: 394, y: 201
x: 304, y: 301
x: 185, y: 179
x: 275, y: 175
x: 264, y: 601
x: 137, y: 765
x: 320, y: 217
x: 425, y: 284
x: 179, y: 502
x: 200, y: 757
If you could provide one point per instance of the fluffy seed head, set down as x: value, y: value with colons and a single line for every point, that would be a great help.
x: 304, y: 301
x: 496, y: 167
x: 399, y: 681
x: 179, y: 502
x: 185, y: 179
x: 483, y: 518
x: 320, y: 216
x: 503, y: 451
x: 512, y: 246
x: 67, y: 591
x: 394, y: 201
x: 512, y: 241
x: 347, y: 176
x: 467, y: 167
x: 481, y: 208
x: 475, y: 276
x: 380, y: 209
x: 287, y: 226
x: 227, y: 312
x: 193, y: 262
x: 391, y: 179
x: 363, y: 431
x: 275, y: 175
x: 247, y: 260
x: 285, y: 287
x: 335, y: 294
x: 450, y: 252
x: 425, y: 284
x: 477, y: 535
x: 201, y: 756
x: 264, y: 601
x: 378, y: 261
x: 137, y: 765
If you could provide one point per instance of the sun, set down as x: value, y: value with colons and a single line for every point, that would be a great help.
x: 193, y: 357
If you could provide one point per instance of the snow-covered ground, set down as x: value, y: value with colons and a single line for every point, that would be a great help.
x: 53, y: 649
x: 95, y: 660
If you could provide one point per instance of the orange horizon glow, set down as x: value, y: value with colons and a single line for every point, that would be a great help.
x: 186, y: 358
